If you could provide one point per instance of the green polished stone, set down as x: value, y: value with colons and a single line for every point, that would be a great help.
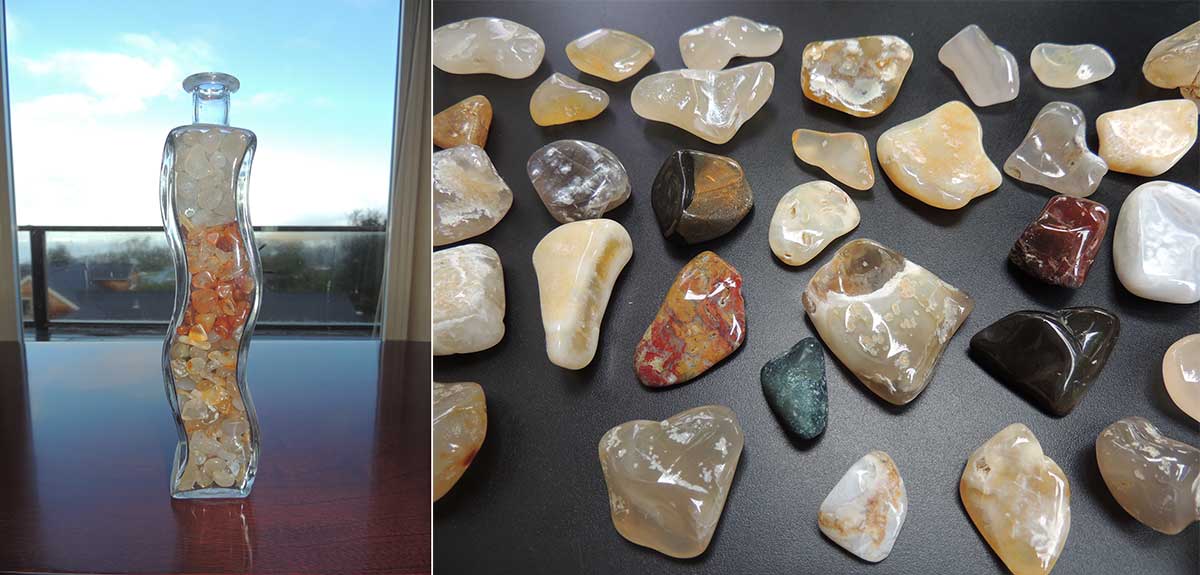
x: 794, y: 385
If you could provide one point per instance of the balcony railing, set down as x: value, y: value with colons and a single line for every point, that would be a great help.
x: 80, y: 281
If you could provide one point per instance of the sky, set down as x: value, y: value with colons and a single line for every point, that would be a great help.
x: 94, y: 87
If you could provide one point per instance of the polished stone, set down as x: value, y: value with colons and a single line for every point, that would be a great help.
x: 845, y: 156
x: 469, y: 197
x: 487, y: 46
x: 698, y: 196
x: 1052, y: 358
x: 886, y: 318
x: 807, y: 219
x: 1181, y: 374
x: 1054, y: 153
x: 668, y: 480
x: 713, y: 105
x: 577, y: 265
x: 938, y: 158
x: 1070, y: 66
x: 610, y: 54
x: 1149, y: 139
x: 1019, y: 499
x: 1174, y: 62
x: 1061, y: 244
x: 561, y: 100
x: 701, y: 321
x: 1156, y: 243
x: 987, y: 72
x: 577, y: 180
x: 794, y: 385
x: 1156, y: 479
x: 468, y: 299
x: 466, y: 122
x: 858, y: 76
x: 459, y: 426
x: 866, y: 509
x: 713, y: 45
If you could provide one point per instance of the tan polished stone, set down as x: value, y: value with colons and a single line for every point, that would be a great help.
x: 610, y: 54
x: 1181, y: 374
x: 859, y: 76
x: 468, y: 299
x: 466, y: 122
x: 1019, y: 499
x: 487, y: 46
x: 561, y: 100
x: 807, y: 219
x: 710, y: 104
x: 1156, y: 479
x: 459, y: 426
x: 845, y: 156
x: 469, y: 196
x: 938, y: 158
x: 713, y: 45
x: 1149, y: 139
x: 1174, y: 62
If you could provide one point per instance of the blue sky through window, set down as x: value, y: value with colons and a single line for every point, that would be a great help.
x: 95, y: 87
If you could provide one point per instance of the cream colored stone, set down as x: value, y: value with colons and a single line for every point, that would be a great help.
x: 459, y: 426
x: 468, y: 299
x: 469, y: 197
x: 710, y: 104
x: 1149, y: 139
x: 845, y: 156
x: 987, y: 72
x: 1181, y: 374
x: 610, y: 54
x: 938, y: 158
x: 1174, y: 62
x: 1065, y: 66
x: 807, y: 218
x: 866, y: 509
x: 859, y: 76
x: 713, y: 45
x: 561, y: 100
x: 1156, y: 479
x: 577, y: 265
x: 487, y: 46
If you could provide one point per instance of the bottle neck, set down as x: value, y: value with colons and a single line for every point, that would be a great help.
x: 210, y: 105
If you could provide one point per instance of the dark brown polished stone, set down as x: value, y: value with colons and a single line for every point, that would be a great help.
x: 699, y: 196
x: 86, y: 439
x: 1061, y: 244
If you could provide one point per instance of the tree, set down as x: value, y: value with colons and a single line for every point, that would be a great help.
x: 358, y: 271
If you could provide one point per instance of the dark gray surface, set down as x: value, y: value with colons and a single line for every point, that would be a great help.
x: 535, y: 501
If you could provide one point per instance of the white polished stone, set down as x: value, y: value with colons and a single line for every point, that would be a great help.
x: 1070, y: 66
x: 487, y: 46
x: 468, y: 299
x: 469, y: 196
x: 712, y: 104
x: 1156, y: 244
x: 867, y: 507
x: 807, y: 218
x: 986, y: 71
x: 713, y: 45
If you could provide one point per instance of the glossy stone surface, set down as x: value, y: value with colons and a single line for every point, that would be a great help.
x: 794, y: 385
x: 1019, y: 499
x: 466, y: 122
x: 1051, y: 358
x: 1061, y: 244
x: 845, y: 156
x: 987, y: 72
x: 668, y: 480
x: 468, y: 299
x: 1149, y: 139
x: 938, y: 158
x: 469, y: 197
x: 487, y: 46
x: 713, y: 105
x: 1174, y: 62
x: 1154, y: 478
x: 807, y: 219
x: 1156, y: 243
x: 459, y: 426
x: 1054, y: 153
x: 886, y: 318
x: 577, y: 265
x: 1181, y: 374
x: 698, y: 196
x: 1070, y: 66
x: 561, y: 100
x: 610, y: 54
x: 577, y: 180
x: 866, y: 509
x: 859, y: 76
x: 701, y: 321
x: 713, y: 45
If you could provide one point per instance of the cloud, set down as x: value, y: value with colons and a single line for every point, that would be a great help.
x: 267, y: 100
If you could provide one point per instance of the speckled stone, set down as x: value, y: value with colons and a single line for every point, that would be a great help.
x: 1061, y: 244
x: 858, y: 76
x: 698, y: 196
x: 794, y: 385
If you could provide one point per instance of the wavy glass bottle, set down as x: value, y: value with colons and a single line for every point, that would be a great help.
x: 206, y: 213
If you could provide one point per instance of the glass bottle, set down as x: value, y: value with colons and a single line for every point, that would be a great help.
x: 206, y: 214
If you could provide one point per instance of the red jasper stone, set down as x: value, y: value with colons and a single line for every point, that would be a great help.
x: 1061, y: 244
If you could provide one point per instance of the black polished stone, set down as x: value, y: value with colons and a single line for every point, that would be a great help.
x: 1052, y: 358
x: 699, y: 196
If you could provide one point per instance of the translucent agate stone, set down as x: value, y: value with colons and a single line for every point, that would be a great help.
x: 1054, y: 153
x: 710, y: 104
x: 698, y: 197
x: 1181, y: 374
x: 1156, y: 479
x: 487, y: 46
x: 610, y: 54
x: 938, y: 158
x: 668, y: 480
x: 845, y: 156
x: 1060, y: 245
x: 466, y: 122
x: 1019, y: 499
x: 469, y: 197
x: 987, y: 72
x: 577, y: 180
x: 468, y: 299
x: 577, y: 265
x: 886, y: 318
x: 459, y: 426
x: 713, y: 45
x: 859, y: 76
x: 561, y: 100
x: 1156, y: 243
x: 1149, y: 139
x: 1070, y: 66
x: 807, y: 219
x: 866, y: 509
x: 1174, y: 62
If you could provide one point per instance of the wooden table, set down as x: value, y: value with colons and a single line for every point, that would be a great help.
x: 86, y: 440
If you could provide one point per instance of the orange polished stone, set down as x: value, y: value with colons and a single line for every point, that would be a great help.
x: 466, y: 122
